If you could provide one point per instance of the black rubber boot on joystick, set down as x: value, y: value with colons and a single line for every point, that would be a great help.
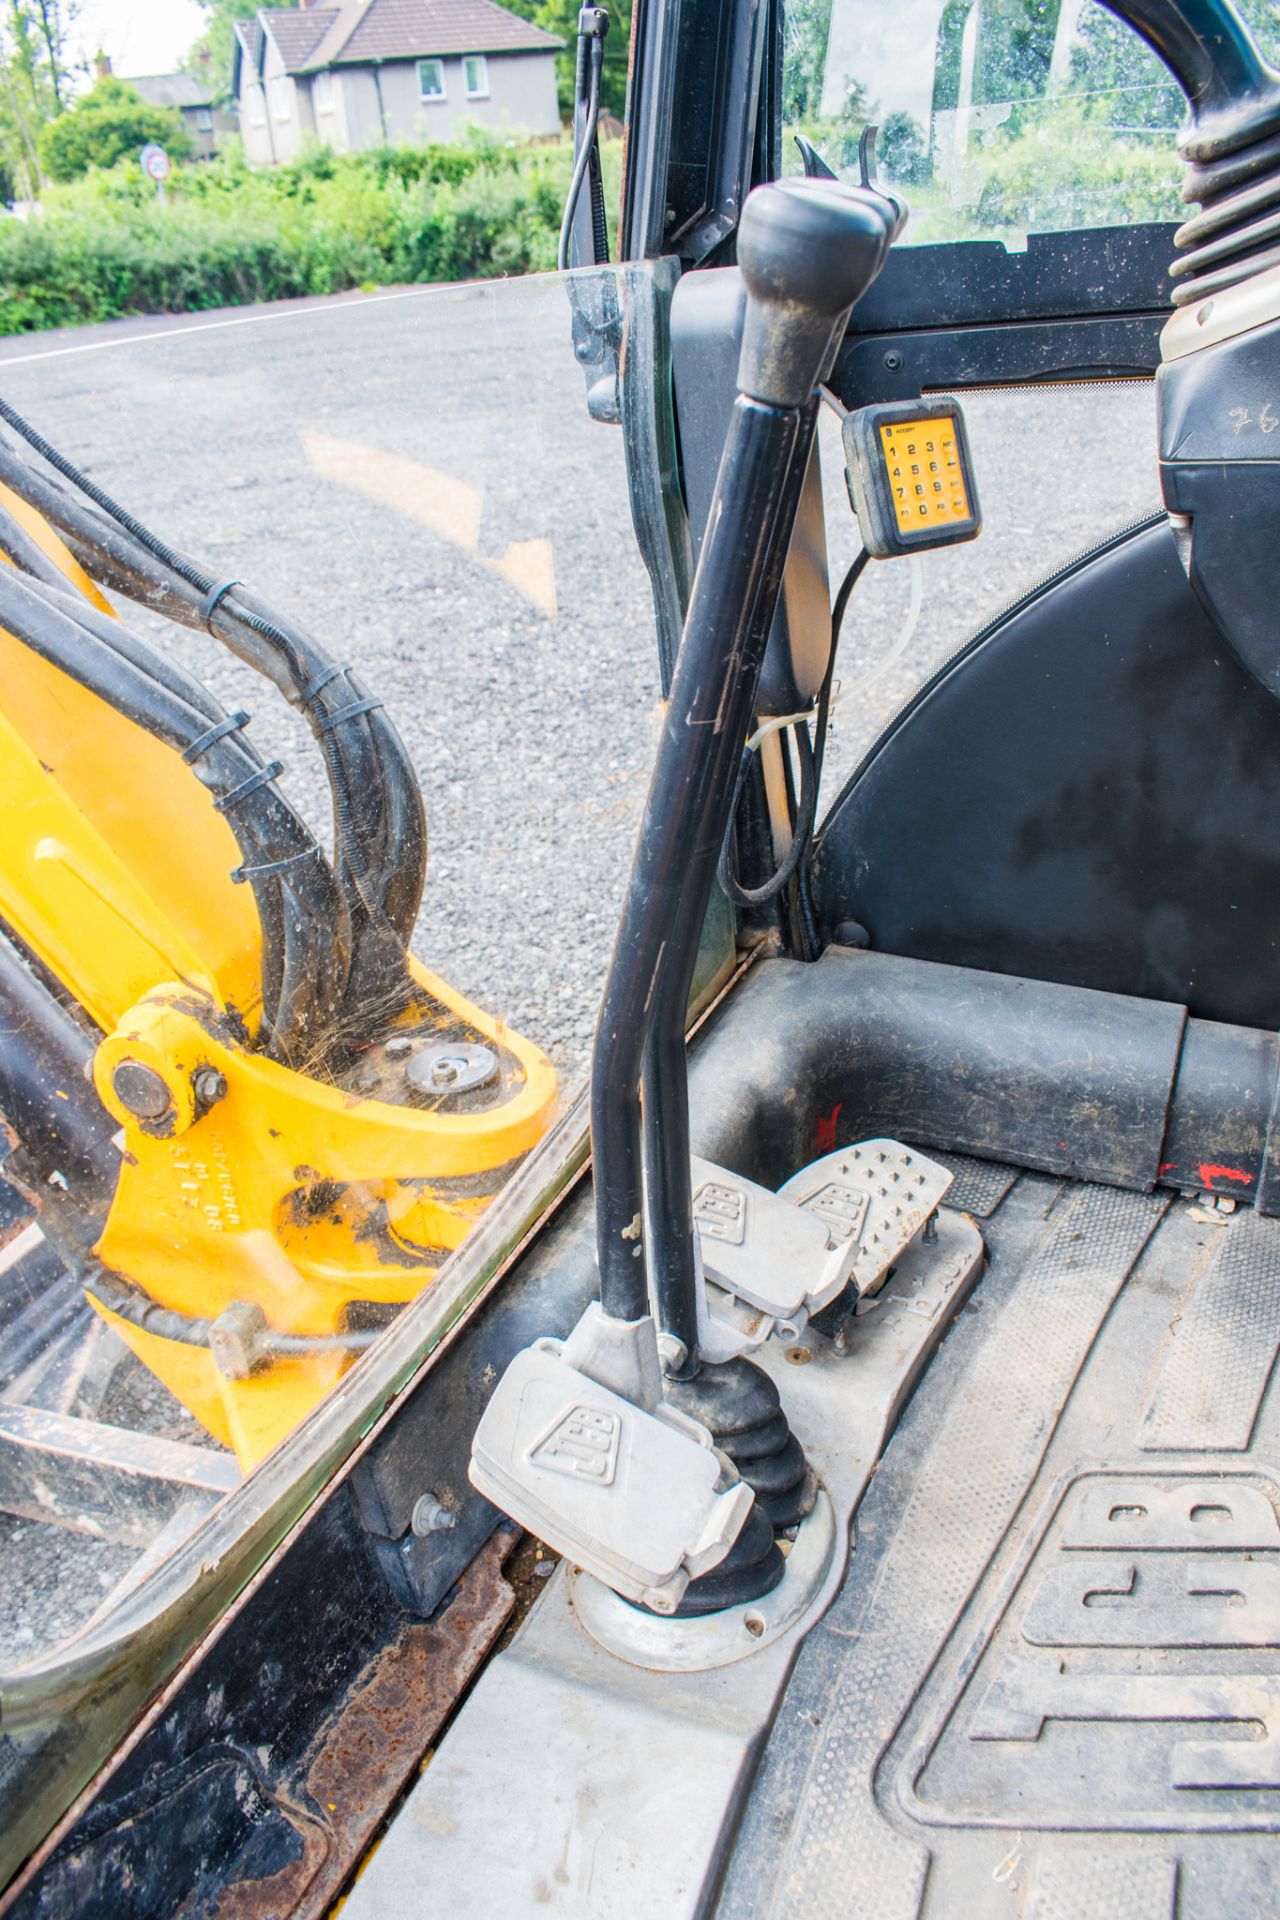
x: 739, y: 1405
x: 752, y: 1567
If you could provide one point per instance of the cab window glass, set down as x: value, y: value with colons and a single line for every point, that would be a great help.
x: 416, y: 480
x: 997, y: 118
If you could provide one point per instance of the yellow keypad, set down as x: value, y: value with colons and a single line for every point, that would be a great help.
x: 926, y: 477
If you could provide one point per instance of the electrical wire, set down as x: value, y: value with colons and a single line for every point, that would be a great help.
x: 726, y: 870
x: 809, y: 755
x: 590, y: 125
x: 910, y: 621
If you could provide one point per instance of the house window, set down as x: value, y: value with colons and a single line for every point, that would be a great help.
x: 204, y: 120
x: 431, y: 79
x: 476, y: 71
x: 324, y: 93
x: 257, y: 107
x: 281, y: 96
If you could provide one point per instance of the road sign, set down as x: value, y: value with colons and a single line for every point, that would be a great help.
x: 156, y: 163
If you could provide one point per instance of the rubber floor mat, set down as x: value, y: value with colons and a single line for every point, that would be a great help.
x: 1051, y: 1683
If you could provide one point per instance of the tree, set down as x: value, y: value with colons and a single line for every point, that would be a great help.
x: 561, y: 18
x: 805, y: 28
x: 112, y: 120
x: 35, y: 76
x: 53, y: 20
x: 903, y: 152
x: 1015, y: 47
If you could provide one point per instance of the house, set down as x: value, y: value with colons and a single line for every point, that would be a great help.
x: 368, y: 73
x: 194, y: 99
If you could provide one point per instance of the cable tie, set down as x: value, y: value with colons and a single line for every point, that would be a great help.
x: 352, y: 712
x: 251, y: 785
x: 209, y: 605
x: 321, y: 681
x: 775, y: 725
x: 240, y: 874
x: 211, y: 735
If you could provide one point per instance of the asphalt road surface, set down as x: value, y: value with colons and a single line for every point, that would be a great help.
x: 416, y: 477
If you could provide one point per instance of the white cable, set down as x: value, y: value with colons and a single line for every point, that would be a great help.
x: 779, y: 720
x: 910, y: 622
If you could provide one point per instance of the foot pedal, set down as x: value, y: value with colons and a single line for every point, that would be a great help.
x: 875, y: 1199
x: 639, y: 1499
x: 777, y: 1261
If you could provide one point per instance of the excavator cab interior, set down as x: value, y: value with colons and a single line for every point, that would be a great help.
x: 828, y: 1465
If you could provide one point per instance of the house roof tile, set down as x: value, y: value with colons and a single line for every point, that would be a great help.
x: 248, y: 39
x: 297, y: 32
x: 171, y: 89
x: 370, y: 30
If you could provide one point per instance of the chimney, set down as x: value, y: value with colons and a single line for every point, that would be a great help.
x: 102, y: 65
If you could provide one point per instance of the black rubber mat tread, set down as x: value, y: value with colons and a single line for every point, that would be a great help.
x: 978, y: 1186
x: 1072, y: 1883
x: 1222, y: 1349
x: 948, y: 1495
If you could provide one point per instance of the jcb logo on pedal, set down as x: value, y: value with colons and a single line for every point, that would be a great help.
x: 584, y: 1444
x: 721, y: 1212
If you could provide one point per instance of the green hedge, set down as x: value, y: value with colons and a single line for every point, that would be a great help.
x: 226, y: 236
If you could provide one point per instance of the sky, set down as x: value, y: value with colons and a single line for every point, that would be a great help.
x: 141, y: 36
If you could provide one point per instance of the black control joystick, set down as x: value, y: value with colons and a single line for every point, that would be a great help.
x: 582, y: 1440
x: 807, y: 249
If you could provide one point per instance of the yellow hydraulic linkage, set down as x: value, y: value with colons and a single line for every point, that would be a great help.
x: 271, y: 1219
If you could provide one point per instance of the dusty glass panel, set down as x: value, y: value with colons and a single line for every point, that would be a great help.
x: 252, y: 1128
x: 997, y: 118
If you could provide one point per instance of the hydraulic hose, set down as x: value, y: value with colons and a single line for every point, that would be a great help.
x: 17, y: 545
x: 46, y: 1095
x: 190, y: 1330
x: 122, y: 640
x: 304, y: 965
x: 380, y: 828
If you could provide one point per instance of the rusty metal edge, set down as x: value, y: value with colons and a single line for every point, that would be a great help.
x: 371, y: 1747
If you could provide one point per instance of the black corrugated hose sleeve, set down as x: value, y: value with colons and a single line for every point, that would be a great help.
x: 378, y: 817
x: 304, y: 968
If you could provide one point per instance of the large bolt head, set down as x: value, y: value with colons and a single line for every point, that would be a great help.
x: 141, y: 1090
x: 209, y: 1086
x: 460, y: 1067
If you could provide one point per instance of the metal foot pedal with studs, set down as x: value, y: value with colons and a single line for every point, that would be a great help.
x: 875, y: 1199
x: 638, y: 1498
